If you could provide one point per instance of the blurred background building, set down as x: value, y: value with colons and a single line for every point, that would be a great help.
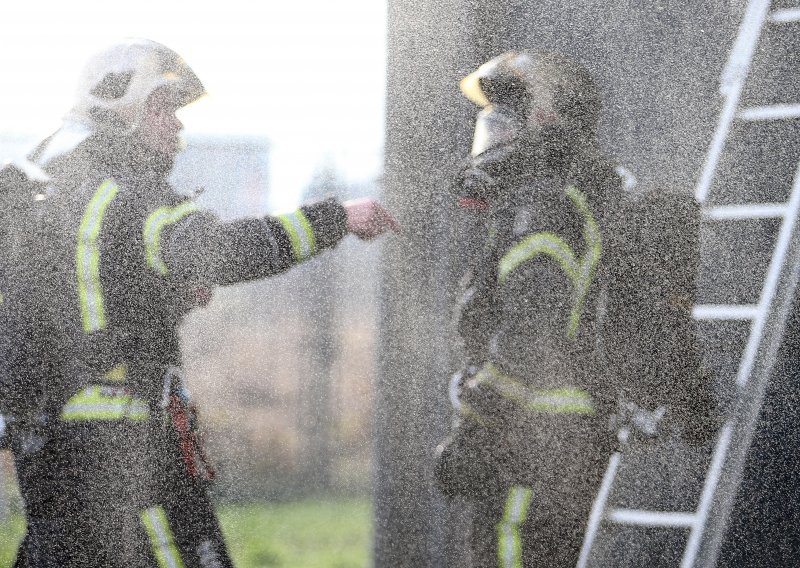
x: 282, y: 369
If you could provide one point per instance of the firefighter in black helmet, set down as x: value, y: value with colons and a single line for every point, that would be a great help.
x: 532, y: 438
x: 117, y: 477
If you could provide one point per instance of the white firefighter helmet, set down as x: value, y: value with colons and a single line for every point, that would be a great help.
x: 524, y: 90
x: 117, y: 81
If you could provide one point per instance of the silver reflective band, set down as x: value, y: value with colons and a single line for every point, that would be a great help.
x: 301, y: 234
x: 88, y: 258
x: 509, y: 546
x: 161, y: 538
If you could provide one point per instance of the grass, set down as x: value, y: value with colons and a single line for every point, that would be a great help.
x: 11, y: 531
x: 304, y: 534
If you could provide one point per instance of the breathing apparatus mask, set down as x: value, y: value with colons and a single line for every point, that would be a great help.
x: 536, y: 109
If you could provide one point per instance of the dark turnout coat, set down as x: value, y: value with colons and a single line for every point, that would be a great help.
x: 581, y: 299
x: 119, y: 478
x: 533, y: 436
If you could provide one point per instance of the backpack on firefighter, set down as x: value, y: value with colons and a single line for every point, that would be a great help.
x: 651, y: 250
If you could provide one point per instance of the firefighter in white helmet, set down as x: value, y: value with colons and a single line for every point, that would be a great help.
x: 118, y: 477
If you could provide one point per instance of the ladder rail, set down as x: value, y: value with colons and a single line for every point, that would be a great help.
x: 783, y: 283
x: 598, y: 508
x: 770, y: 286
x: 707, y: 497
x: 733, y: 77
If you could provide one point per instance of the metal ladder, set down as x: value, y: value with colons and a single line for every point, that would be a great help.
x: 766, y: 317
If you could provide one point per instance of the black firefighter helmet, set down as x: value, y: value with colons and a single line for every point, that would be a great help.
x: 526, y: 93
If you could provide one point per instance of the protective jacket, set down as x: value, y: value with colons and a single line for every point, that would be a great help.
x: 534, y: 402
x: 120, y: 478
x: 529, y: 314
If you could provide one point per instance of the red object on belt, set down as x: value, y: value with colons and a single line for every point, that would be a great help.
x: 473, y: 203
x: 188, y: 442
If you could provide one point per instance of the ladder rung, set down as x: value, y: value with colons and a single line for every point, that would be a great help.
x: 745, y: 211
x: 651, y: 518
x: 725, y: 312
x: 785, y: 16
x: 770, y: 112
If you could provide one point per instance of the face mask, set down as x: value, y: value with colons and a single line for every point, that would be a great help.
x: 495, y: 125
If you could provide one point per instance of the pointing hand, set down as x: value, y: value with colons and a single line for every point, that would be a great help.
x: 367, y: 219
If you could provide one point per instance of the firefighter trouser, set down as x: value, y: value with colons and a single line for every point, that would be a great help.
x: 533, y: 526
x: 114, y: 493
x: 548, y: 451
x: 539, y: 518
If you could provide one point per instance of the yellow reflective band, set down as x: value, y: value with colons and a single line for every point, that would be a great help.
x: 534, y: 245
x: 579, y: 269
x: 118, y: 373
x: 88, y: 258
x: 161, y: 538
x: 590, y: 259
x: 509, y: 542
x: 104, y: 403
x: 154, y: 225
x: 565, y: 400
x: 301, y: 234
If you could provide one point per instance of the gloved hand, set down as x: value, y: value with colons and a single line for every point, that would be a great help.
x: 367, y: 219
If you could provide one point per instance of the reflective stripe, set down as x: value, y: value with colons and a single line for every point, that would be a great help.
x: 532, y: 246
x: 579, y: 270
x: 509, y: 545
x: 590, y: 259
x: 161, y: 538
x: 104, y: 403
x: 88, y: 258
x: 154, y: 225
x: 301, y: 234
x: 565, y: 400
x: 118, y: 373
